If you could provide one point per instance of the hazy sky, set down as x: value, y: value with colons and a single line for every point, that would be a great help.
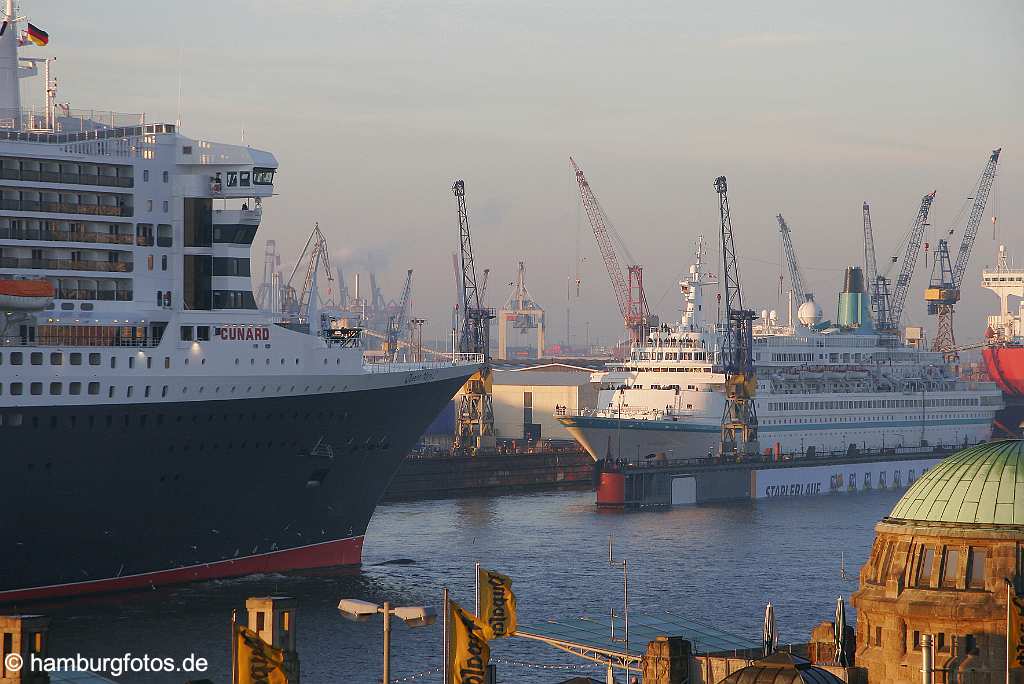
x: 374, y: 108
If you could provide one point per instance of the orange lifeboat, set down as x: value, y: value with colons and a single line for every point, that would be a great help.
x: 25, y: 295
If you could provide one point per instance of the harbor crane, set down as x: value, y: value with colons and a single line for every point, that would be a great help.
x: 396, y: 322
x: 739, y: 419
x: 474, y: 421
x: 629, y: 294
x: 944, y: 289
x: 317, y: 259
x: 522, y: 313
x: 796, y: 278
x: 878, y: 285
x: 891, y: 322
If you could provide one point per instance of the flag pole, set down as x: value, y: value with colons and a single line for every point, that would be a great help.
x: 1009, y: 613
x: 234, y: 645
x: 476, y: 584
x: 444, y: 641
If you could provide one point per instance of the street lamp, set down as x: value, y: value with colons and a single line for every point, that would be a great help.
x: 361, y: 611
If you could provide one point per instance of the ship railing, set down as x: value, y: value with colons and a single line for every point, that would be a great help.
x: 65, y: 236
x: 383, y: 365
x: 67, y: 264
x: 625, y: 414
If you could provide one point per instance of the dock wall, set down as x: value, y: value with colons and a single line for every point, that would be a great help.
x: 449, y: 477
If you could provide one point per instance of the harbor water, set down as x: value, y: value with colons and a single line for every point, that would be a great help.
x: 716, y: 564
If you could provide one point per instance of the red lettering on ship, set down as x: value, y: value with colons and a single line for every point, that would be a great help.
x: 237, y: 332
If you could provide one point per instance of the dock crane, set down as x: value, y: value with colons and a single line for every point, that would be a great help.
x: 891, y: 321
x: 878, y: 286
x: 796, y: 278
x: 629, y: 295
x: 944, y: 289
x: 739, y: 419
x: 474, y: 421
x: 396, y: 322
x: 317, y: 258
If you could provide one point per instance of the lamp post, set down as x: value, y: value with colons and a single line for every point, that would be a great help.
x: 361, y: 611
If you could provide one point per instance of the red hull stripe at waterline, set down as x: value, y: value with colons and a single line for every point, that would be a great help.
x: 325, y: 555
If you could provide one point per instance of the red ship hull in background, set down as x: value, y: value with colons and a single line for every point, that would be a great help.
x: 1003, y: 352
x: 1005, y: 366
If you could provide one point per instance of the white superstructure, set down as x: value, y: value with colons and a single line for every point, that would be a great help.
x: 144, y: 235
x: 821, y: 389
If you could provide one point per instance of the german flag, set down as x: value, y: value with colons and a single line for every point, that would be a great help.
x: 37, y: 35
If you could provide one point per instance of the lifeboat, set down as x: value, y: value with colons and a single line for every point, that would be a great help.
x: 25, y: 295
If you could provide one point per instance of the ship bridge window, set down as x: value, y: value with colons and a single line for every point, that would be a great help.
x: 186, y: 333
x: 262, y: 176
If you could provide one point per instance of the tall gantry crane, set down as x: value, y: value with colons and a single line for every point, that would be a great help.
x: 474, y: 424
x: 396, y: 322
x: 944, y: 289
x: 899, y: 296
x: 796, y: 278
x: 739, y: 419
x: 878, y: 285
x: 629, y: 295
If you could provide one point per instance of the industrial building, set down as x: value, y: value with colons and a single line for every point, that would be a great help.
x: 526, y: 397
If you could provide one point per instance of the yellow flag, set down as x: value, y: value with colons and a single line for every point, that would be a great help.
x: 497, y: 604
x: 258, y: 661
x: 467, y: 642
x: 1015, y: 630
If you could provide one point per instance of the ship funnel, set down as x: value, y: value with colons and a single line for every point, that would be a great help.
x: 853, y: 301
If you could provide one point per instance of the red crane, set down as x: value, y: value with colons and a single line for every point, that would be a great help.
x: 629, y: 294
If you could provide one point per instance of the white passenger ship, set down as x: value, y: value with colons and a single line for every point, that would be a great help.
x: 822, y: 389
x: 155, y: 427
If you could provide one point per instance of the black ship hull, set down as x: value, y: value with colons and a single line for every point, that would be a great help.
x: 107, y: 497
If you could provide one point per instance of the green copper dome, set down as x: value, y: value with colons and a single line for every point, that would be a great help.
x: 982, y: 485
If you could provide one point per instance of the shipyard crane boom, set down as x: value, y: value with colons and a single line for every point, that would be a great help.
x: 899, y: 296
x: 396, y: 323
x: 739, y: 419
x: 943, y: 291
x: 796, y: 278
x: 988, y: 177
x: 629, y: 295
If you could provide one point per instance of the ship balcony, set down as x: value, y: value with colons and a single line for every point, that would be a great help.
x: 77, y: 173
x: 67, y: 264
x: 29, y: 233
x: 90, y: 203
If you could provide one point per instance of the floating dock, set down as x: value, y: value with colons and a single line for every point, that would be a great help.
x: 691, y: 481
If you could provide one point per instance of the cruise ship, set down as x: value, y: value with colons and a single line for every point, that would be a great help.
x: 823, y: 389
x: 156, y: 427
